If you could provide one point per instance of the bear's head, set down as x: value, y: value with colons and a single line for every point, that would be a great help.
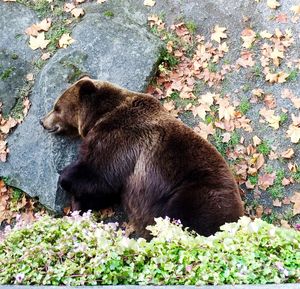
x: 81, y: 105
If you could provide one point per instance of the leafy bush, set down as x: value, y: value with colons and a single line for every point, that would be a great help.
x: 78, y: 251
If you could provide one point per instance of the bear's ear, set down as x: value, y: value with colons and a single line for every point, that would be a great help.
x: 86, y: 87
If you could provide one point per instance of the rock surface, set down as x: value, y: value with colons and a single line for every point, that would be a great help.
x: 15, y: 55
x: 113, y: 49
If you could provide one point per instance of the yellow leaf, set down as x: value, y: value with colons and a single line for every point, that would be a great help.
x: 38, y: 42
x: 273, y: 4
x: 219, y: 33
x: 149, y: 3
x: 65, y: 40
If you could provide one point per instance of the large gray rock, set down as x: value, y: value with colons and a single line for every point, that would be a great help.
x: 114, y: 49
x: 15, y: 56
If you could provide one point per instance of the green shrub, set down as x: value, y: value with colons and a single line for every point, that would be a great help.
x: 78, y: 251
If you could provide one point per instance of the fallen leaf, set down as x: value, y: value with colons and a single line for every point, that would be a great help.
x: 204, y: 129
x: 272, y: 119
x: 296, y: 200
x: 296, y: 9
x: 30, y: 77
x: 248, y: 36
x: 285, y: 224
x: 265, y: 34
x: 256, y: 140
x: 266, y: 180
x: 219, y: 33
x: 45, y: 56
x: 273, y: 4
x: 65, y: 40
x: 288, y: 153
x: 38, y: 42
x: 277, y: 203
x: 77, y: 12
x: 281, y: 18
x: 149, y: 3
x: 259, y: 211
x: 294, y: 133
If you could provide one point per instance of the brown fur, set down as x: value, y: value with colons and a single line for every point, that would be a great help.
x: 133, y: 151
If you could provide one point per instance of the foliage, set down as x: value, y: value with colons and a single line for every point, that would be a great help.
x: 78, y: 251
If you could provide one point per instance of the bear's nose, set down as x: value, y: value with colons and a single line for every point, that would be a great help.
x: 41, y: 123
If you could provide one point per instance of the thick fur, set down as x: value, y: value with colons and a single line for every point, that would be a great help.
x: 134, y: 151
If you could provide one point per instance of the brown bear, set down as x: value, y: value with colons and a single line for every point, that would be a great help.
x: 135, y: 152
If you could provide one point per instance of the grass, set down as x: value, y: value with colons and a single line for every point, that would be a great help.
x: 264, y: 148
x: 224, y: 147
x: 277, y: 189
x: 109, y: 13
x: 170, y: 60
x: 253, y: 180
x: 293, y: 75
x: 7, y: 73
x: 283, y: 118
x: 244, y: 106
x: 191, y: 26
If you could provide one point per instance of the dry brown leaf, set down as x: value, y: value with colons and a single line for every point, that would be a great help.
x: 169, y: 105
x: 8, y: 124
x: 38, y: 42
x: 256, y: 141
x: 65, y: 40
x: 44, y: 25
x: 296, y: 200
x: 248, y: 36
x: 265, y: 34
x: 149, y: 3
x: 273, y: 4
x: 294, y: 133
x: 266, y: 180
x: 259, y: 211
x: 277, y: 203
x: 296, y: 9
x: 77, y: 12
x: 205, y: 129
x: 68, y: 7
x: 272, y: 119
x: 45, y: 56
x: 29, y: 77
x: 288, y: 153
x: 285, y: 224
x: 219, y: 34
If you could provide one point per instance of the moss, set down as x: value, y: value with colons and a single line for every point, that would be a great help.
x: 277, y: 189
x: 7, y: 73
x: 244, y: 106
x: 109, y: 13
x: 293, y: 75
x: 165, y: 57
x: 253, y: 180
x: 191, y: 26
x: 283, y: 118
x: 264, y: 148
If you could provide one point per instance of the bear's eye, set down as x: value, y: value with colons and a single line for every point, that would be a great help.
x: 57, y: 108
